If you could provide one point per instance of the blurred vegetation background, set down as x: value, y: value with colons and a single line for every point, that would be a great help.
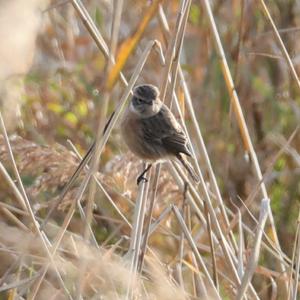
x: 57, y: 77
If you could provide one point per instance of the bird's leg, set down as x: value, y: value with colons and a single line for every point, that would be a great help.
x: 141, y: 176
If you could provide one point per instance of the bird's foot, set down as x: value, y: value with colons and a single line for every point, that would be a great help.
x: 141, y: 178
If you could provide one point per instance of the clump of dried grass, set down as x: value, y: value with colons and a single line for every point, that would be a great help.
x: 106, y: 274
x: 48, y: 169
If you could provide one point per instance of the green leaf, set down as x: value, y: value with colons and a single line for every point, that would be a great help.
x: 71, y: 118
x: 194, y: 16
x: 55, y: 107
x: 98, y: 17
x: 82, y: 108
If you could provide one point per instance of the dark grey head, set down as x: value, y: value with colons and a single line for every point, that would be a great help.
x: 146, y: 92
x: 145, y: 99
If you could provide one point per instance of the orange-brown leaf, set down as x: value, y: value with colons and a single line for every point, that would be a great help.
x: 128, y: 46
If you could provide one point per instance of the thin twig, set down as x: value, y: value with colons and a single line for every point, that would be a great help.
x: 170, y: 52
x: 249, y: 271
x: 136, y: 233
x: 211, y: 243
x: 149, y: 217
x: 100, y: 185
x: 280, y: 42
x: 179, y: 43
x: 195, y: 250
x: 296, y: 260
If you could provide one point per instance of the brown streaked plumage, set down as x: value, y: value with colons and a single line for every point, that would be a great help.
x: 151, y: 131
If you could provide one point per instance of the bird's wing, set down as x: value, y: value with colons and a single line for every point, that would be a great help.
x: 162, y: 129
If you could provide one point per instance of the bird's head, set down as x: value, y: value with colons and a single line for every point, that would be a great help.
x: 145, y: 100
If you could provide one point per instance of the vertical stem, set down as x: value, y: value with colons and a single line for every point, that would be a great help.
x: 149, y: 217
x: 280, y: 42
x: 211, y: 243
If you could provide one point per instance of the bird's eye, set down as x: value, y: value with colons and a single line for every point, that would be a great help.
x: 139, y: 101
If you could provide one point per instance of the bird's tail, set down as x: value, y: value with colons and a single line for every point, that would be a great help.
x: 189, y: 168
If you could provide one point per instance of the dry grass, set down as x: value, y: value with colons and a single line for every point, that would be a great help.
x: 166, y: 238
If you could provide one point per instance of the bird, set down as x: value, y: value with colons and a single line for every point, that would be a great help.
x: 151, y: 131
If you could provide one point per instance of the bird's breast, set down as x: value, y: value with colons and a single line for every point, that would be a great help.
x: 133, y: 135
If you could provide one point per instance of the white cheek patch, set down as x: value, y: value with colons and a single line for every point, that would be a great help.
x: 157, y: 106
